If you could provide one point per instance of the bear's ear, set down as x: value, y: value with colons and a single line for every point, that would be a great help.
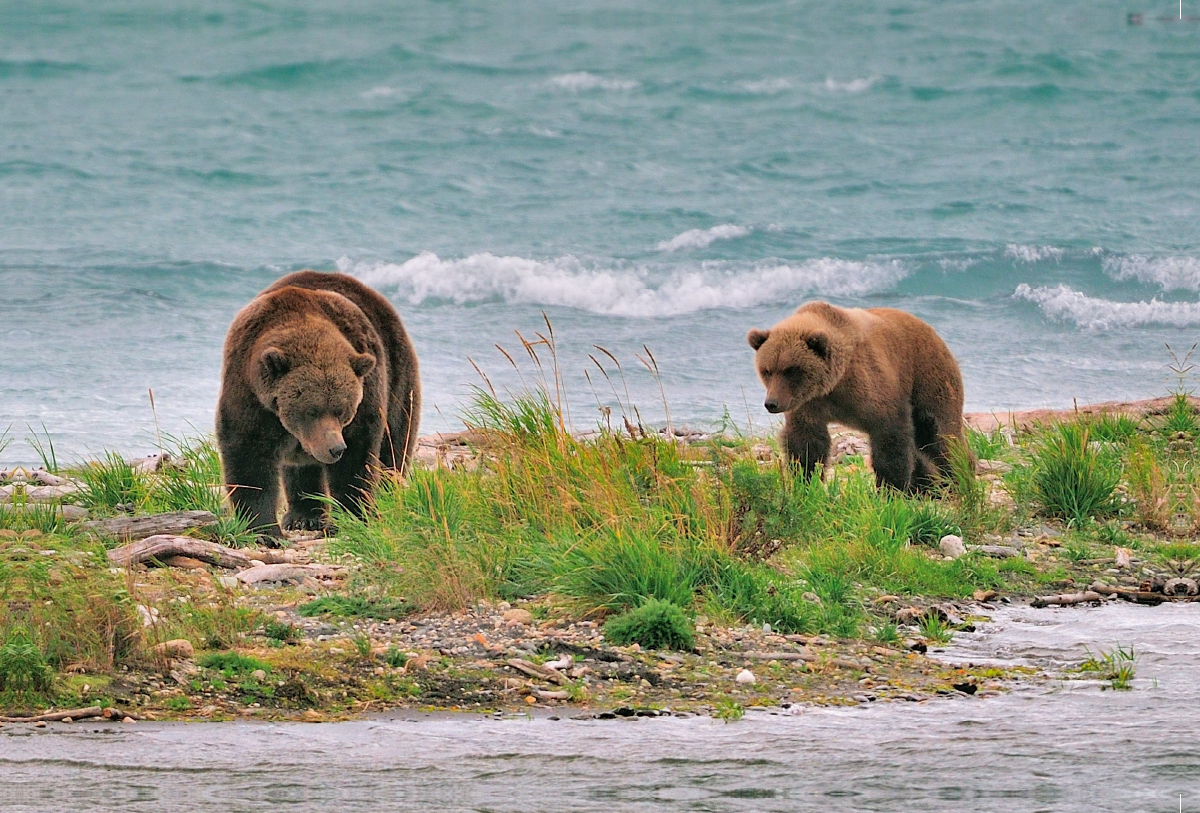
x: 756, y: 337
x: 274, y: 363
x: 818, y: 344
x: 362, y: 364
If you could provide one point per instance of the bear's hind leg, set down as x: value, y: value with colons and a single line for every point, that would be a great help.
x: 933, y: 448
x: 304, y: 486
x: 806, y: 442
x: 894, y: 457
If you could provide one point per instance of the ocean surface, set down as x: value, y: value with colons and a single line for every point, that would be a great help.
x: 654, y: 178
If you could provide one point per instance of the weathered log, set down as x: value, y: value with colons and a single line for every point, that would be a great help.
x: 56, y: 716
x: 271, y: 557
x: 164, y: 546
x: 130, y: 529
x: 287, y: 573
x: 1131, y: 594
x: 1066, y: 599
x: 533, y: 670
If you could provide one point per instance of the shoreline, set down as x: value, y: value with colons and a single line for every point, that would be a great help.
x: 537, y: 654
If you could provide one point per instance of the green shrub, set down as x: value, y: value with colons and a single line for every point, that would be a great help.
x: 654, y: 625
x: 111, y: 482
x: 1071, y: 478
x: 23, y: 667
x: 232, y: 664
x: 987, y: 445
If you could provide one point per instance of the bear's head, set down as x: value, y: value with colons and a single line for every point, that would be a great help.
x: 313, y: 380
x: 800, y: 359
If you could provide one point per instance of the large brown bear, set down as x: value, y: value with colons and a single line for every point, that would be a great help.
x: 319, y: 387
x: 881, y: 371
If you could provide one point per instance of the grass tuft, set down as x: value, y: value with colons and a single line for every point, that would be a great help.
x: 1072, y: 478
x: 654, y: 625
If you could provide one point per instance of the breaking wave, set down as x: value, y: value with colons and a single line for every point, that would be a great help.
x: 582, y: 80
x: 699, y: 238
x: 1171, y: 273
x: 1032, y: 254
x: 1091, y: 313
x: 622, y: 291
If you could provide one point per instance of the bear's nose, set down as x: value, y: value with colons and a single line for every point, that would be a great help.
x: 772, y: 405
x: 336, y: 450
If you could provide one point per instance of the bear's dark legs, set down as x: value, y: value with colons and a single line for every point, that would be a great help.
x: 303, y: 484
x: 806, y: 442
x: 933, y: 448
x: 351, y: 479
x: 253, y: 484
x: 894, y: 457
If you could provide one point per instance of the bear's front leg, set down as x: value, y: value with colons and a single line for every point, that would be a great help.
x: 252, y: 481
x: 893, y: 457
x: 806, y: 442
x: 304, y: 485
x: 351, y: 479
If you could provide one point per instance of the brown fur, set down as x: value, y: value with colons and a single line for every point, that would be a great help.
x: 881, y: 371
x: 320, y: 387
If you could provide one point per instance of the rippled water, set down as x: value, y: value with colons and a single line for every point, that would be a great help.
x: 1059, y: 746
x: 1024, y: 175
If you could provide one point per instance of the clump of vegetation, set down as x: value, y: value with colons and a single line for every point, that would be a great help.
x: 232, y: 664
x: 111, y: 484
x: 654, y: 625
x: 729, y: 711
x: 25, y: 675
x: 1117, y: 666
x: 356, y: 607
x: 281, y: 631
x: 1072, y: 478
x: 395, y: 658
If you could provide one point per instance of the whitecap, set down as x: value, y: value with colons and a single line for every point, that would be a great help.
x: 1176, y: 273
x: 1092, y: 313
x: 379, y: 92
x: 1032, y: 254
x: 583, y: 80
x: 629, y: 291
x: 853, y: 86
x: 699, y: 238
x: 766, y: 86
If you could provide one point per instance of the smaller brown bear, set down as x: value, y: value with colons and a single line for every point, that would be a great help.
x: 881, y: 371
x: 319, y: 387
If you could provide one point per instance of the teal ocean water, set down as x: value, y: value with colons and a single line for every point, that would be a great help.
x: 1023, y: 175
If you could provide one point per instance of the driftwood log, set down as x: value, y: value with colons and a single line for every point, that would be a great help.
x: 164, y: 546
x: 534, y: 670
x: 1066, y: 599
x: 287, y: 573
x: 58, y: 716
x: 130, y: 529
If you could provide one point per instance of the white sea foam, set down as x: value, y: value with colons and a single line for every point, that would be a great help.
x: 380, y: 92
x: 1032, y: 254
x: 1171, y: 273
x: 583, y: 80
x: 628, y: 291
x: 1091, y: 313
x: 767, y: 86
x: 699, y: 238
x: 853, y: 86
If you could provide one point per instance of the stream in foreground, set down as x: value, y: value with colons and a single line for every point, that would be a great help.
x: 1057, y: 746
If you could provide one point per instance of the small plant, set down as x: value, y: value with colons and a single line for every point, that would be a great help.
x: 987, y: 445
x: 179, y: 704
x: 654, y: 625
x: 935, y: 629
x: 23, y: 667
x: 281, y: 631
x: 887, y: 633
x: 729, y: 710
x: 1113, y: 428
x: 1118, y: 667
x: 1071, y: 478
x: 232, y: 664
x: 362, y: 645
x: 1076, y: 550
x: 395, y: 658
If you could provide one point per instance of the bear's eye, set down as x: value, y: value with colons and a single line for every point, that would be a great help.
x: 793, y: 373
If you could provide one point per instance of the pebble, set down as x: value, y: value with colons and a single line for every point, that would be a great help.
x: 517, y: 616
x: 176, y: 648
x: 746, y: 676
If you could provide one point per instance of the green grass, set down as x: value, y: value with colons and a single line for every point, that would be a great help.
x: 356, y: 607
x: 1117, y: 666
x: 609, y: 524
x: 987, y: 445
x: 1070, y: 477
x: 653, y: 625
x: 729, y: 711
x: 232, y: 664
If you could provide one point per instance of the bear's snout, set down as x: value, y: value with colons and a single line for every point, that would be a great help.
x: 772, y: 406
x: 336, y: 450
x: 324, y: 441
